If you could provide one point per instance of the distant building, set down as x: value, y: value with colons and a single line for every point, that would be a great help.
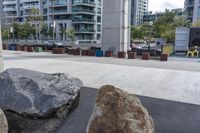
x: 138, y: 10
x: 152, y: 17
x: 192, y: 10
x: 83, y: 15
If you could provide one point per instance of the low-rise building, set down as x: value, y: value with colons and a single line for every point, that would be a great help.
x: 152, y: 17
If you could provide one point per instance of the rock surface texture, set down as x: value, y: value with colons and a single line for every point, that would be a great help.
x: 116, y: 111
x: 3, y: 123
x: 34, y: 97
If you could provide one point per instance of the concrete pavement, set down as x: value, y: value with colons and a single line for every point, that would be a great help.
x: 173, y: 80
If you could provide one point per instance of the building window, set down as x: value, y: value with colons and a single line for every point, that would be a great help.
x: 99, y: 28
x: 199, y: 10
x: 99, y: 19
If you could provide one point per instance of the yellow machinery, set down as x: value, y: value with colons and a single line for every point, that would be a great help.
x: 168, y: 49
x: 193, y: 52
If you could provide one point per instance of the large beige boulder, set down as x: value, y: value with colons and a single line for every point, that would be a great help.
x: 3, y: 123
x: 116, y: 111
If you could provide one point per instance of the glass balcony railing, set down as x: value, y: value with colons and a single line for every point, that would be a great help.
x: 84, y: 30
x: 83, y: 10
x: 58, y: 4
x: 83, y: 20
x: 83, y: 2
x: 189, y: 4
x: 58, y: 11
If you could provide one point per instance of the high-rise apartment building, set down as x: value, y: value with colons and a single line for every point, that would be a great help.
x: 138, y: 9
x: 87, y: 19
x: 192, y: 10
x: 59, y: 11
x: 83, y: 15
x: 11, y: 10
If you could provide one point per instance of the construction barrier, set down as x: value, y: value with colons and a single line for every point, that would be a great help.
x: 168, y: 49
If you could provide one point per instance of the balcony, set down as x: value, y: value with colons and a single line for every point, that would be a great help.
x: 83, y: 20
x: 84, y: 3
x: 11, y: 2
x: 84, y: 11
x: 26, y: 1
x: 14, y: 15
x: 57, y: 4
x: 9, y: 9
x: 56, y: 12
x: 85, y: 31
x: 31, y: 6
x: 189, y: 4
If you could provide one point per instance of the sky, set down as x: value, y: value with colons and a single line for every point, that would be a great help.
x: 161, y: 5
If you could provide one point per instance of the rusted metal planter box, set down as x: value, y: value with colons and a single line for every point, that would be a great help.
x: 145, y: 55
x: 132, y: 55
x: 164, y: 57
x: 91, y: 53
x: 5, y: 47
x: 18, y: 48
x: 30, y: 49
x: 121, y: 54
x: 84, y: 52
x: 108, y: 53
x: 24, y: 48
x: 58, y: 51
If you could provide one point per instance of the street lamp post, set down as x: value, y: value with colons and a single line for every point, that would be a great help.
x: 149, y: 44
x: 13, y: 35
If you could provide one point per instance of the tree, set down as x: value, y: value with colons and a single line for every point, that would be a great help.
x: 16, y: 28
x: 137, y: 33
x: 165, y: 26
x: 141, y: 32
x: 50, y: 31
x: 70, y: 33
x: 26, y: 30
x: 44, y: 30
x: 34, y: 19
x: 5, y: 33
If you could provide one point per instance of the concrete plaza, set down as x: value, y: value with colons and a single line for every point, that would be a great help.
x: 175, y: 80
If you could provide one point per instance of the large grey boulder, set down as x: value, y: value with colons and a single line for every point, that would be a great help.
x: 29, y: 94
x: 116, y: 111
x: 3, y: 123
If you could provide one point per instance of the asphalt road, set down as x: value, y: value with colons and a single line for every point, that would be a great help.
x: 169, y: 117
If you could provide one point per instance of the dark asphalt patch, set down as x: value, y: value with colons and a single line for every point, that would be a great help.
x: 169, y: 116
